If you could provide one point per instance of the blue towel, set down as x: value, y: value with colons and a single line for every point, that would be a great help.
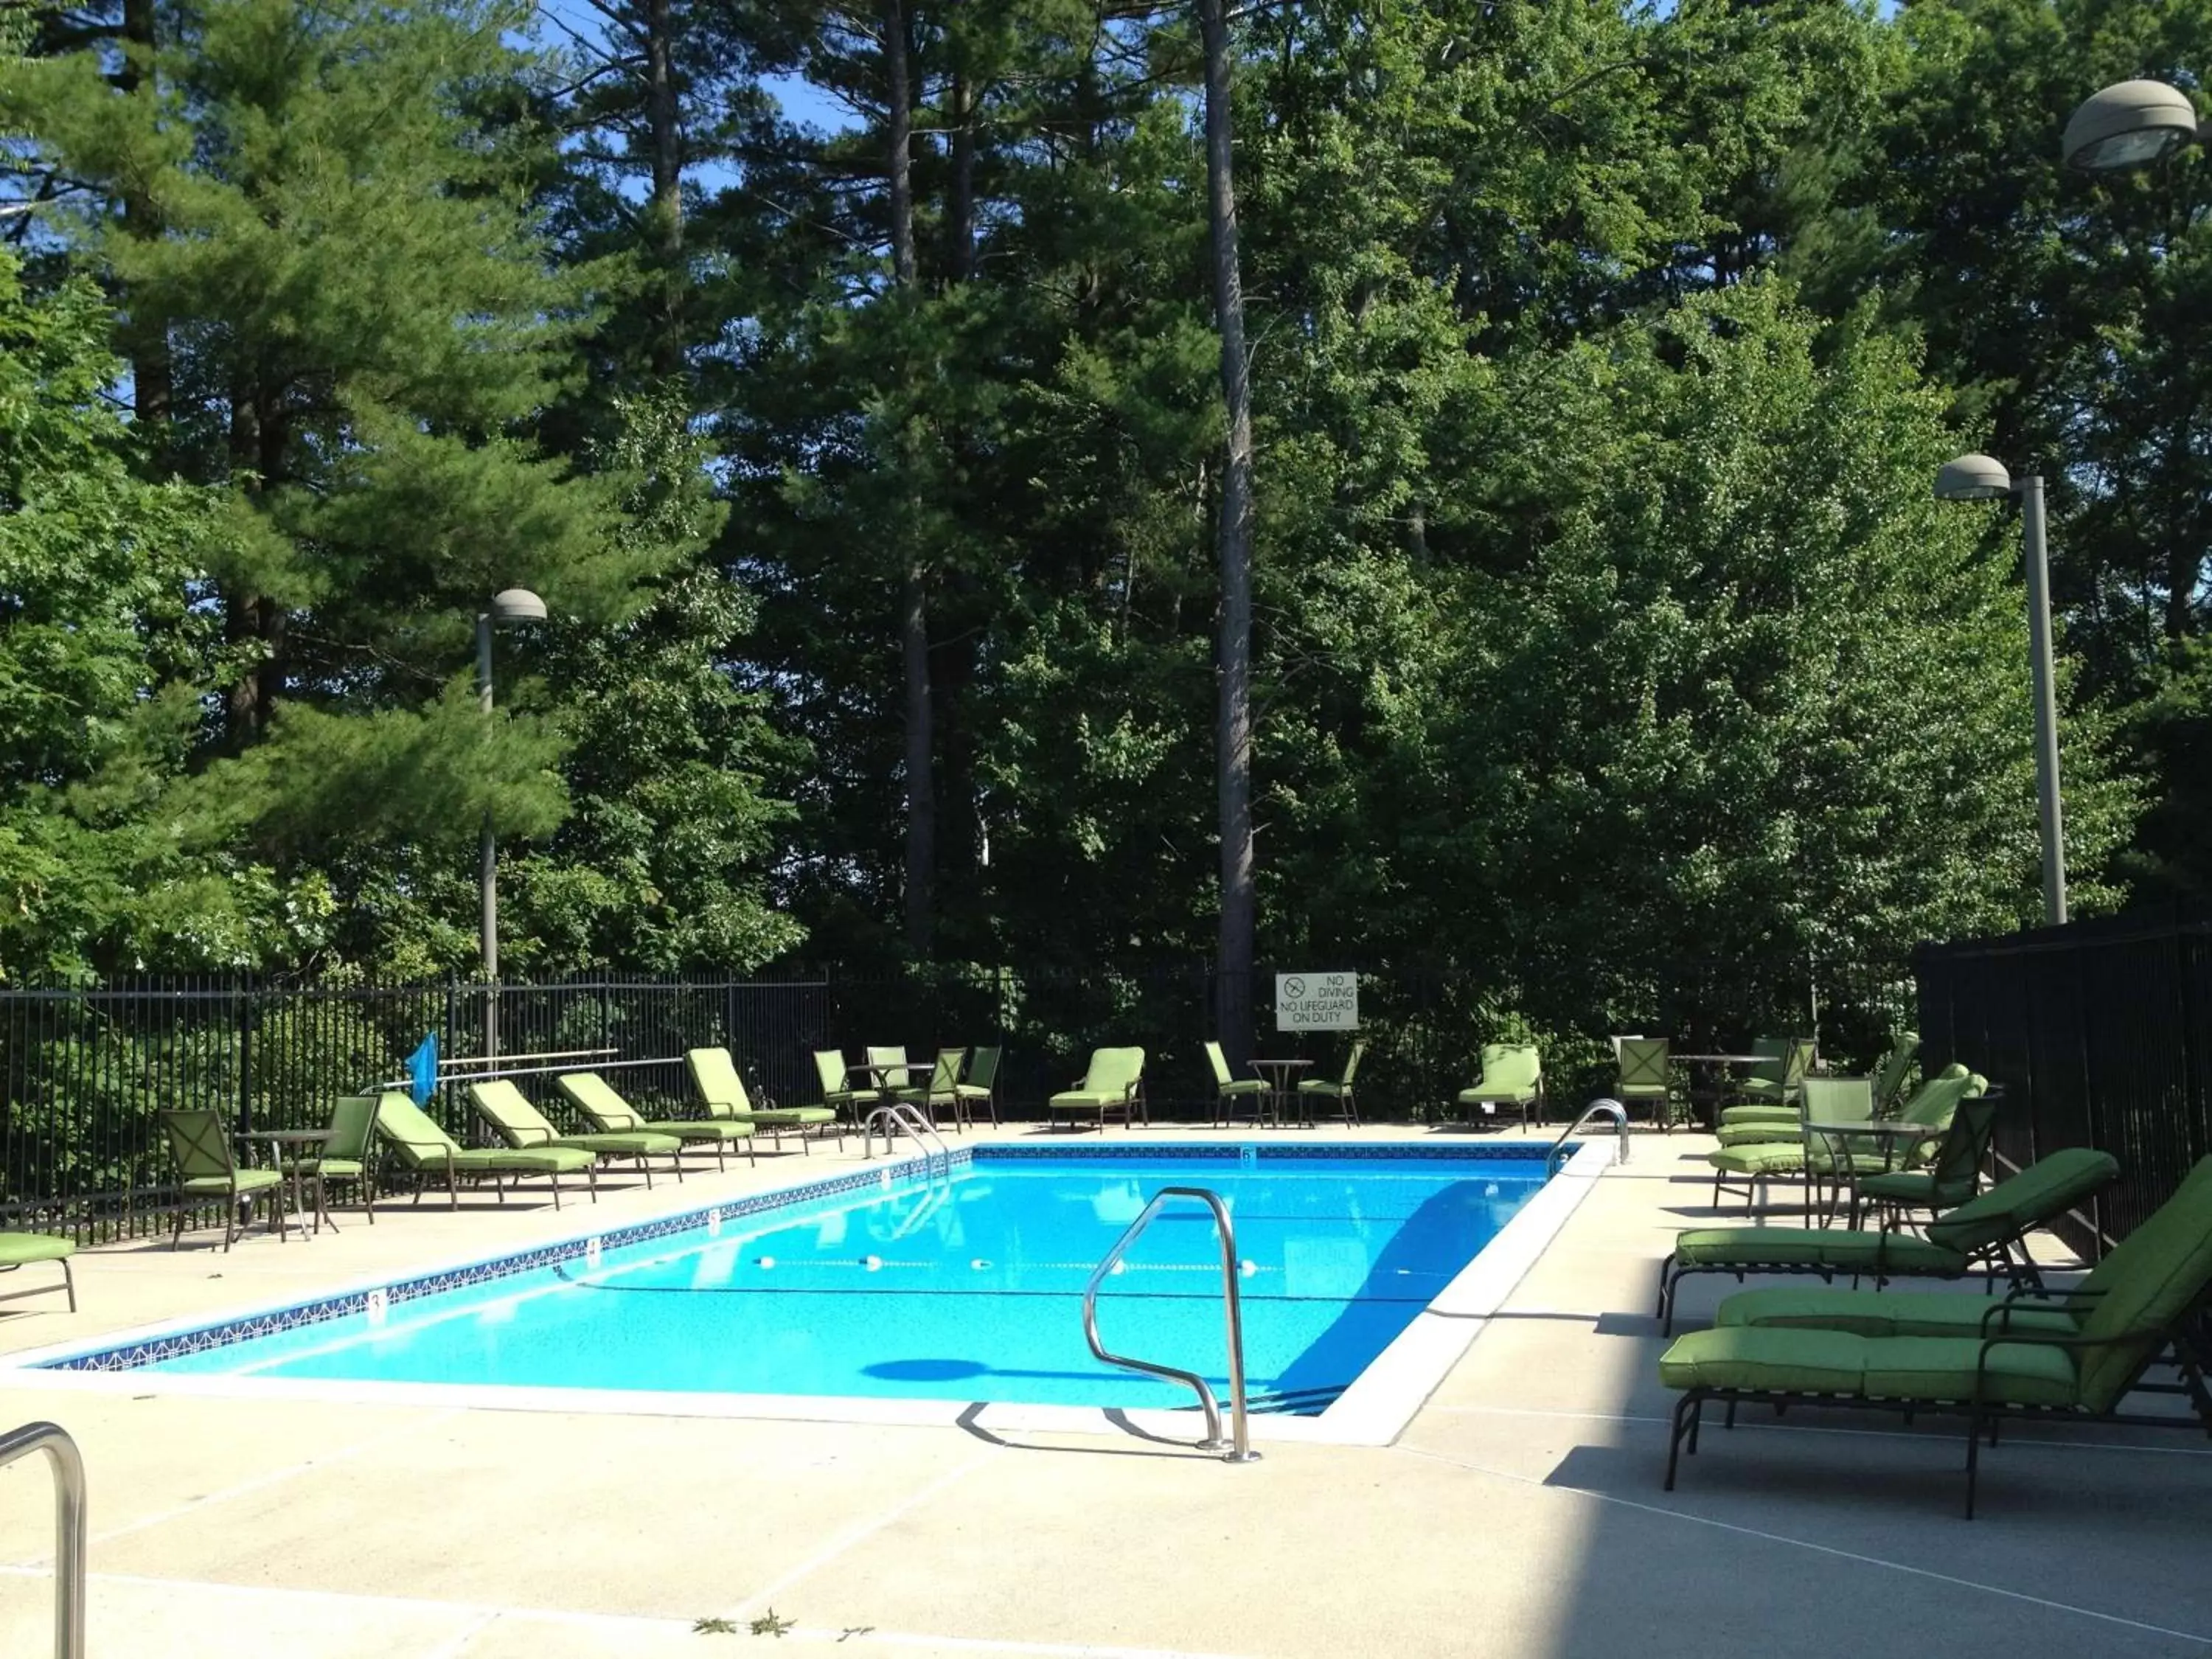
x: 423, y: 1070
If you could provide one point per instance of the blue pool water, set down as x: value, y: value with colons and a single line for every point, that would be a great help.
x: 968, y: 1289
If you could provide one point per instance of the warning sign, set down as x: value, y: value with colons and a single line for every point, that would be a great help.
x: 1316, y: 1002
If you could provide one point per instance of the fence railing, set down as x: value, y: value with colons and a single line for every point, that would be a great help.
x: 2100, y: 1032
x: 83, y: 1071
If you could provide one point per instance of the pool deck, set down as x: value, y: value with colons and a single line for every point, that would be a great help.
x: 1519, y: 1513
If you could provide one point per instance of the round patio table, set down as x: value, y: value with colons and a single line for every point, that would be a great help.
x: 1889, y: 1130
x: 295, y: 1179
x: 1712, y: 1060
x: 1280, y: 1090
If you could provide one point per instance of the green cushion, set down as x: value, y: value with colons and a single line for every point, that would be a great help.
x: 533, y: 1160
x: 245, y: 1180
x: 1320, y: 1085
x: 1787, y: 1114
x: 1900, y: 1186
x: 1890, y: 1312
x: 2149, y: 1279
x: 1243, y: 1086
x: 2047, y: 1187
x: 1761, y: 1158
x: 16, y: 1249
x: 720, y: 1128
x: 788, y: 1115
x: 978, y: 1091
x: 1790, y: 1361
x: 1833, y: 1248
x: 625, y: 1146
x: 1760, y: 1134
x: 1076, y: 1100
x: 1479, y: 1097
x: 325, y: 1166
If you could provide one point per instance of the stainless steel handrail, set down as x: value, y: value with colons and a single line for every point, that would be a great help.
x: 1613, y: 1109
x: 69, y: 1526
x: 1240, y: 1450
x: 908, y: 1118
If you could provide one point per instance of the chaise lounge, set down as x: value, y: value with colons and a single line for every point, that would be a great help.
x: 606, y: 1111
x: 428, y: 1152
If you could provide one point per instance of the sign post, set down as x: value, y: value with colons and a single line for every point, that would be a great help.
x: 1316, y: 1002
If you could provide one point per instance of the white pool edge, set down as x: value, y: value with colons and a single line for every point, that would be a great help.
x: 1373, y: 1412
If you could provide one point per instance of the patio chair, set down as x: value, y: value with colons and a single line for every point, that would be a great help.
x: 1114, y: 1083
x: 1769, y: 1094
x: 722, y: 1092
x: 207, y: 1170
x: 1738, y: 1124
x: 1984, y: 1232
x: 1936, y: 1183
x: 2008, y: 1366
x: 606, y: 1110
x: 348, y: 1155
x: 427, y: 1151
x: 1889, y: 1077
x: 839, y: 1092
x: 1512, y: 1075
x: 943, y: 1088
x: 889, y: 1081
x: 22, y: 1249
x: 1646, y: 1077
x: 522, y: 1126
x: 979, y: 1085
x: 1339, y: 1089
x: 1229, y: 1089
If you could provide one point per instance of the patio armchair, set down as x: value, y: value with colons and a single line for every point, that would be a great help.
x: 1646, y: 1076
x: 1984, y: 1232
x: 1339, y: 1089
x: 943, y: 1088
x: 1229, y: 1089
x: 1938, y: 1182
x: 1114, y: 1083
x: 522, y: 1126
x: 839, y: 1092
x: 1512, y: 1075
x: 722, y: 1092
x: 2010, y: 1365
x: 604, y: 1110
x: 981, y: 1085
x: 1768, y: 1093
x: 208, y: 1170
x: 350, y: 1154
x: 428, y: 1152
x: 21, y: 1250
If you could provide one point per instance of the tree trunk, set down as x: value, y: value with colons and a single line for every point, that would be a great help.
x: 144, y: 343
x: 1233, y: 542
x: 914, y: 606
x: 662, y: 119
x: 960, y: 222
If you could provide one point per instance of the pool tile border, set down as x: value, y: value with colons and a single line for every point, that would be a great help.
x: 1266, y: 1151
x: 343, y: 1304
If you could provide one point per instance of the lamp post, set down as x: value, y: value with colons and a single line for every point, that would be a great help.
x: 2129, y: 125
x: 509, y: 606
x: 1979, y: 478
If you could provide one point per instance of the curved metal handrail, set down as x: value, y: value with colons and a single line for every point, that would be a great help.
x: 1613, y: 1109
x: 69, y: 1526
x: 1240, y: 1449
x: 898, y: 1113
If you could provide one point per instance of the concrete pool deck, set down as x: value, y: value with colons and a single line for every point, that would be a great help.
x: 1519, y: 1513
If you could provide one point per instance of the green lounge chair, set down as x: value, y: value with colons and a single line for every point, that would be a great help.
x: 722, y: 1092
x: 522, y: 1126
x: 2153, y: 1282
x: 207, y: 1170
x: 943, y: 1088
x: 1229, y: 1089
x: 607, y: 1111
x: 22, y: 1249
x: 1646, y: 1079
x: 981, y: 1085
x: 346, y: 1156
x: 1317, y: 1091
x: 1983, y: 1233
x: 1512, y: 1075
x: 427, y: 1151
x: 1114, y: 1082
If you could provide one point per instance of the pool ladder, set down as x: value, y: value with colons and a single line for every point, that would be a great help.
x: 69, y: 1526
x: 1235, y: 1450
x: 895, y: 1114
x: 1604, y: 1107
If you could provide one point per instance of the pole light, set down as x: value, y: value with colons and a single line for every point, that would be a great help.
x: 2129, y: 125
x: 1979, y: 478
x: 508, y: 607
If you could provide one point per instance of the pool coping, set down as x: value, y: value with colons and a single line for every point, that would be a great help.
x: 1373, y: 1410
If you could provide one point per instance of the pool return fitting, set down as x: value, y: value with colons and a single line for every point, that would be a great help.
x: 1238, y: 1450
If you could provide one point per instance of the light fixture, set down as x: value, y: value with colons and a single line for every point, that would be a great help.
x: 2129, y: 125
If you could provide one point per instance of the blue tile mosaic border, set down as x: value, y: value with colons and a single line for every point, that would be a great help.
x: 154, y: 1349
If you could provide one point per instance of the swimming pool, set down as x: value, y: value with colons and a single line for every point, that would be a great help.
x: 964, y: 1286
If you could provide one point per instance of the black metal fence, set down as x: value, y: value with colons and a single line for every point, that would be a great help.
x: 2100, y: 1032
x: 85, y: 1070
